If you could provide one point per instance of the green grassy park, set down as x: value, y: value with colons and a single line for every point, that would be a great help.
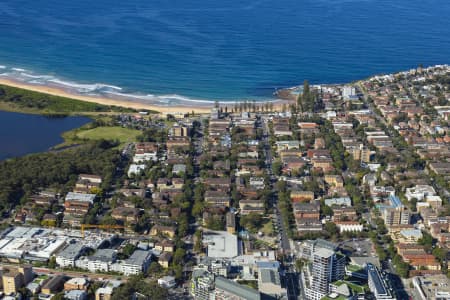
x: 121, y: 134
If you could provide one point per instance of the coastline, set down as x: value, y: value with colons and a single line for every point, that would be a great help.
x: 129, y: 101
x: 116, y: 101
x: 109, y: 95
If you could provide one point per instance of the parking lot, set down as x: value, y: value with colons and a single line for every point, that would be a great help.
x: 358, y: 247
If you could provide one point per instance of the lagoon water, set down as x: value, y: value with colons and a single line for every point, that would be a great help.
x: 21, y: 134
x: 223, y: 49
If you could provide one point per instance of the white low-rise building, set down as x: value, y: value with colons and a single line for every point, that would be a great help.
x: 80, y: 197
x: 39, y: 244
x: 419, y: 192
x: 221, y: 244
x: 47, y: 247
x: 100, y: 261
x: 287, y: 145
x: 11, y: 248
x: 68, y: 256
x: 137, y: 263
x: 135, y: 169
x: 143, y: 157
x: 411, y: 235
x: 349, y: 226
x: 257, y: 182
x: 167, y: 282
x: 75, y: 295
x: 342, y: 201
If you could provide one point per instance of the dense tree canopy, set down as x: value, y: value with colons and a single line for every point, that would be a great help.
x: 306, y: 100
x: 20, y: 177
x: 252, y: 222
x: 137, y: 284
x: 30, y: 100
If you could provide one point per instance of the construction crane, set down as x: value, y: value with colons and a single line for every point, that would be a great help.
x: 86, y: 226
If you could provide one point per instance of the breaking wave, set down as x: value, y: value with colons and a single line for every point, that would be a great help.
x: 101, y: 89
x: 97, y: 89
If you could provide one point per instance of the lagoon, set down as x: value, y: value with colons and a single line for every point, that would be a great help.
x: 22, y: 134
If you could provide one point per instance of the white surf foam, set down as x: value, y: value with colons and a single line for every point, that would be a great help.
x: 84, y: 88
x: 167, y: 99
x: 101, y: 89
x: 42, y: 77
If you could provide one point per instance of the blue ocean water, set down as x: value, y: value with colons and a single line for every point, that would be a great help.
x: 228, y: 49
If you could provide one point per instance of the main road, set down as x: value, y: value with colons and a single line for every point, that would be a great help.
x: 291, y: 277
x: 284, y: 243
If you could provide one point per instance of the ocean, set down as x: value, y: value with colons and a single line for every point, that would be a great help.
x: 216, y: 50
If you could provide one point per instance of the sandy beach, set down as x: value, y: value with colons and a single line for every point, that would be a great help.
x: 132, y: 103
x: 128, y: 102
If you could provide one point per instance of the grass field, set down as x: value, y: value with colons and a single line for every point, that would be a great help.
x: 268, y: 228
x: 109, y: 133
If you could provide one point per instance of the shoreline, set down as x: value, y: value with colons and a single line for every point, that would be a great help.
x: 130, y: 101
x: 165, y: 104
x: 133, y: 104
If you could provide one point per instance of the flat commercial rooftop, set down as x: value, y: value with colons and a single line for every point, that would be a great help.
x: 37, y: 243
x: 221, y: 244
x: 104, y: 255
x: 138, y: 257
x: 71, y: 251
x: 322, y: 252
x: 234, y: 288
x: 269, y: 276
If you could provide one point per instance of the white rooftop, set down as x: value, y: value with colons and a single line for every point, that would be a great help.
x: 80, y: 197
x: 411, y: 233
x: 39, y: 243
x: 323, y: 252
x: 135, y: 168
x: 78, y: 281
x: 221, y: 244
